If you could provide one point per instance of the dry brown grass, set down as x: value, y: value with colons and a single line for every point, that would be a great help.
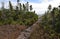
x: 40, y: 33
x: 11, y: 31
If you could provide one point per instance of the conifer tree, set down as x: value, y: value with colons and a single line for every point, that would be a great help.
x: 49, y: 8
x: 18, y: 0
x: 53, y: 17
x: 59, y: 8
x: 2, y: 5
x: 27, y: 6
x: 20, y: 7
x: 24, y: 8
x: 18, y: 4
x: 10, y: 6
x: 31, y: 7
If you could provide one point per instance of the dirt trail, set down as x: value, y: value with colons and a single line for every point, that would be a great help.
x: 27, y: 32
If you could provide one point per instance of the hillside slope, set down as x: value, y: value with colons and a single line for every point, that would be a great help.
x: 40, y: 33
x: 11, y: 31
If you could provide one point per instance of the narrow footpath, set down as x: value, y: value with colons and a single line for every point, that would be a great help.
x: 27, y: 32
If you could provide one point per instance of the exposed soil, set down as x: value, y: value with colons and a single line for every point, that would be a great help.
x: 11, y: 31
x: 40, y: 33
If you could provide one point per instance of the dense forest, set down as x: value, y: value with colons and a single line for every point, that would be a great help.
x: 22, y: 14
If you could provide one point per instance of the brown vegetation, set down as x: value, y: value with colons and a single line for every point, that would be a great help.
x: 11, y: 31
x: 41, y: 33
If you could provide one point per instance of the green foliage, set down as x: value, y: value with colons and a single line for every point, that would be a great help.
x: 51, y: 21
x: 16, y: 16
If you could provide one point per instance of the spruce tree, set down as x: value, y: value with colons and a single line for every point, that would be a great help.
x: 49, y: 8
x: 2, y: 5
x: 31, y: 7
x: 20, y: 7
x: 18, y: 0
x: 59, y: 8
x: 53, y: 17
x: 10, y: 6
x: 24, y: 8
x: 27, y: 6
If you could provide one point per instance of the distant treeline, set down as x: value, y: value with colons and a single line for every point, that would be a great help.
x: 51, y: 19
x: 22, y: 14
